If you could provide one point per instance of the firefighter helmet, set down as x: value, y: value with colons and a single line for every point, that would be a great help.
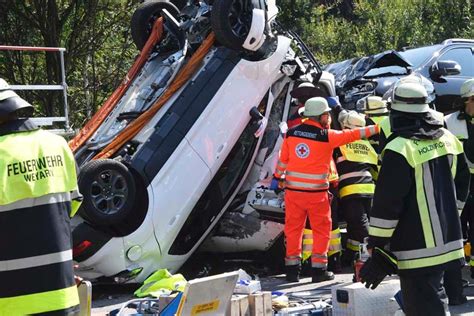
x: 467, y: 88
x: 314, y: 107
x: 11, y: 103
x: 410, y: 97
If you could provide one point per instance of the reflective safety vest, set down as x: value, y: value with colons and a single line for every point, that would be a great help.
x: 385, y: 127
x: 38, y: 181
x: 377, y: 119
x: 306, y: 153
x: 355, y: 162
x: 429, y: 233
x: 459, y: 129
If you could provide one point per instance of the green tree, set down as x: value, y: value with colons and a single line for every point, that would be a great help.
x: 98, y: 46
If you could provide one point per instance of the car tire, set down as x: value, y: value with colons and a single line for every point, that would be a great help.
x: 109, y: 192
x: 231, y: 23
x: 144, y: 17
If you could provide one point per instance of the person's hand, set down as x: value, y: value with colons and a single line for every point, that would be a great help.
x: 333, y: 102
x: 377, y: 267
x: 472, y: 272
x: 276, y: 185
x: 78, y: 280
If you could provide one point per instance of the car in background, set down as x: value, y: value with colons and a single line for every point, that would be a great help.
x: 207, y: 147
x: 447, y: 65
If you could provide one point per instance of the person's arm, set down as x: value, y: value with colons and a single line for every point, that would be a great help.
x: 469, y: 142
x: 461, y: 180
x: 282, y: 160
x: 339, y: 138
x: 393, y: 186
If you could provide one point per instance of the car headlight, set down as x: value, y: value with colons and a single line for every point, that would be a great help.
x: 359, y: 91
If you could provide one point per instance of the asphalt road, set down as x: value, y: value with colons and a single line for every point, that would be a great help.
x: 109, y: 297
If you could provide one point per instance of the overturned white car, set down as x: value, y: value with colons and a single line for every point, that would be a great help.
x: 210, y: 149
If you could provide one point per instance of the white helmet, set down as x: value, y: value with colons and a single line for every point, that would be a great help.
x: 352, y: 119
x: 5, y: 90
x: 424, y: 82
x: 314, y: 107
x: 372, y: 105
x: 467, y: 88
x: 415, y: 78
x: 410, y: 97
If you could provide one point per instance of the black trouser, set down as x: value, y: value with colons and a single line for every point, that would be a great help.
x: 423, y: 294
x: 452, y: 282
x: 355, y: 210
x: 467, y: 218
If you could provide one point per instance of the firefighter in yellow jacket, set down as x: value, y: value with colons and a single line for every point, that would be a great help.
x: 38, y: 195
x: 356, y: 162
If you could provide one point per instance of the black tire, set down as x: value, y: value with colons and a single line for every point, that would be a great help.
x: 231, y: 22
x: 109, y: 192
x: 144, y: 17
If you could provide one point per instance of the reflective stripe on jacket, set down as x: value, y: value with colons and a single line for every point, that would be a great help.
x: 415, y: 203
x: 307, y: 151
x: 355, y: 163
x: 38, y: 184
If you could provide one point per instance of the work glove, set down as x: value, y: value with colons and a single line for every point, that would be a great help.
x: 275, y: 185
x: 377, y: 267
x: 333, y: 102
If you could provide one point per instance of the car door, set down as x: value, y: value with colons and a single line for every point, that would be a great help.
x: 448, y: 88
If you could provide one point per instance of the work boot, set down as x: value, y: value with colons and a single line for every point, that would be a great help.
x: 334, y: 263
x: 320, y: 275
x: 293, y: 273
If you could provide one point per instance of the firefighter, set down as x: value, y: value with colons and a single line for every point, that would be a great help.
x: 301, y: 94
x: 414, y: 206
x: 461, y: 124
x: 304, y: 166
x: 39, y: 184
x: 356, y: 162
x: 375, y: 110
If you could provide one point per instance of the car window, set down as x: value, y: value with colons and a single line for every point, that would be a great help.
x: 464, y: 57
x: 417, y: 56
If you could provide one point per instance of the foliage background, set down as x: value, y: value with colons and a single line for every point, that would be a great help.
x: 96, y: 35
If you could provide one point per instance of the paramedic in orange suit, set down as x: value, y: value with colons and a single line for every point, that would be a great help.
x: 304, y: 167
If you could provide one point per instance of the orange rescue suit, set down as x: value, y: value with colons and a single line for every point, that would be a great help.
x: 304, y: 162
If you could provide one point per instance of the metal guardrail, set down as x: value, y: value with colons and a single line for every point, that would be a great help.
x: 47, y: 121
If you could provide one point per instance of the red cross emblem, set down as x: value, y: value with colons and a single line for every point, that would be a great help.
x: 302, y: 150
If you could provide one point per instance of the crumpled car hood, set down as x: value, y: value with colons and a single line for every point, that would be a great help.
x: 345, y: 72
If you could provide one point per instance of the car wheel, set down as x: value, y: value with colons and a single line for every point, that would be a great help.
x: 109, y: 192
x: 145, y: 16
x: 231, y: 21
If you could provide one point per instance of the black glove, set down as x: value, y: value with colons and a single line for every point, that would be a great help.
x: 472, y: 272
x: 377, y: 267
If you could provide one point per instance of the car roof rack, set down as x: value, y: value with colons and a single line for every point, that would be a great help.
x: 48, y: 121
x: 457, y: 40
